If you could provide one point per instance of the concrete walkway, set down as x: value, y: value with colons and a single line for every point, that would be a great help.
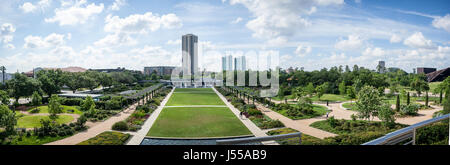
x: 97, y: 129
x: 247, y: 122
x: 140, y: 135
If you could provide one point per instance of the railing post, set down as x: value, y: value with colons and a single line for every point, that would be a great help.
x: 414, y: 136
x: 300, y: 139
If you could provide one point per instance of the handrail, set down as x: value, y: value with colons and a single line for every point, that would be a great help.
x: 259, y: 139
x: 405, y: 133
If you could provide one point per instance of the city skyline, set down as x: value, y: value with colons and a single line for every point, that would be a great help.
x: 313, y: 35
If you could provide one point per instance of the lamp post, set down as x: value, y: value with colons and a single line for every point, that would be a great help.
x: 3, y: 74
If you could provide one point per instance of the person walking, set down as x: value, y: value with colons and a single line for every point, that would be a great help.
x: 328, y: 112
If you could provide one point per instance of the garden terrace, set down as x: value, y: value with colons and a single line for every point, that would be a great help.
x: 196, y: 113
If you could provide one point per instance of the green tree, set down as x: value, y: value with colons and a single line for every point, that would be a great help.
x: 4, y: 98
x: 386, y: 115
x: 51, y: 81
x: 7, y: 119
x: 397, y: 104
x: 408, y: 99
x: 310, y: 89
x: 368, y: 102
x: 72, y: 81
x: 54, y: 106
x: 299, y: 92
x: 321, y: 89
x: 88, y: 105
x: 351, y: 93
x: 36, y: 99
x: 419, y: 85
x: 342, y: 88
x: 22, y: 86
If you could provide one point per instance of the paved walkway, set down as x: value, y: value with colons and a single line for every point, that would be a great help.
x: 247, y: 122
x: 97, y: 129
x: 140, y: 135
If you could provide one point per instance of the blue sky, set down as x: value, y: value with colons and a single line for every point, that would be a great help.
x: 305, y: 33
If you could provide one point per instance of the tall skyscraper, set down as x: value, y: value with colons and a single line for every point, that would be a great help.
x: 190, y: 59
x: 381, y: 68
x: 229, y: 62
x: 240, y: 63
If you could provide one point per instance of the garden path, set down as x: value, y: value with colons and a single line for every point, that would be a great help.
x: 97, y: 129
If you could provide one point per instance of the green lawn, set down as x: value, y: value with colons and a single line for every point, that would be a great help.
x: 107, y: 138
x: 44, y: 109
x: 197, y: 122
x: 202, y: 90
x: 349, y: 106
x: 330, y: 97
x: 35, y: 140
x: 179, y: 99
x: 29, y: 121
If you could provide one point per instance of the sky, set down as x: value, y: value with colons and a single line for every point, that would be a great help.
x: 312, y: 34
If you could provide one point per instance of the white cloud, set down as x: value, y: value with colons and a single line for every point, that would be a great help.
x: 442, y: 22
x: 73, y: 14
x: 417, y: 40
x: 27, y: 7
x: 174, y: 42
x: 237, y: 20
x: 52, y: 40
x: 275, y: 19
x: 303, y: 50
x: 6, y: 33
x: 117, y: 4
x: 374, y: 52
x: 395, y: 39
x: 123, y: 28
x: 141, y: 23
x: 353, y: 42
x: 10, y: 46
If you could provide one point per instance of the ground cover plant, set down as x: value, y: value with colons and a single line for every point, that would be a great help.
x: 107, y: 138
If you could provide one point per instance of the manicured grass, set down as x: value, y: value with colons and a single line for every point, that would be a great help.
x: 306, y: 139
x: 349, y: 106
x: 278, y: 98
x: 35, y: 121
x: 44, y: 109
x: 179, y: 99
x: 203, y: 90
x: 107, y: 138
x: 197, y: 122
x: 330, y: 97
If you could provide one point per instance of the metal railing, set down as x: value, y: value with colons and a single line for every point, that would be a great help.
x: 404, y: 134
x: 260, y: 139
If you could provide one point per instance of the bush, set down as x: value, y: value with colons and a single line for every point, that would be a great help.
x: 410, y: 110
x: 332, y: 121
x: 254, y: 112
x: 35, y: 110
x: 71, y: 101
x: 120, y: 126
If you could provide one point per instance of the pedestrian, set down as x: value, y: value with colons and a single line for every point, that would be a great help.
x: 328, y: 113
x: 240, y: 114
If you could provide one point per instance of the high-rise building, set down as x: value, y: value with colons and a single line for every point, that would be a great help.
x: 240, y: 63
x: 189, y: 54
x: 227, y: 63
x: 381, y: 68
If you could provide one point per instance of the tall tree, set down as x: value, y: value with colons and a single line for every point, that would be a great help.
x: 51, y: 81
x: 22, y: 86
x: 7, y: 119
x: 368, y: 102
x: 54, y: 106
x: 342, y: 88
x: 4, y: 98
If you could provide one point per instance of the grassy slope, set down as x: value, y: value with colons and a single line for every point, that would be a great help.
x: 34, y: 121
x: 197, y: 122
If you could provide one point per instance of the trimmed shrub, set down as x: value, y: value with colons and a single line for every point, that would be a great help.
x: 120, y: 126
